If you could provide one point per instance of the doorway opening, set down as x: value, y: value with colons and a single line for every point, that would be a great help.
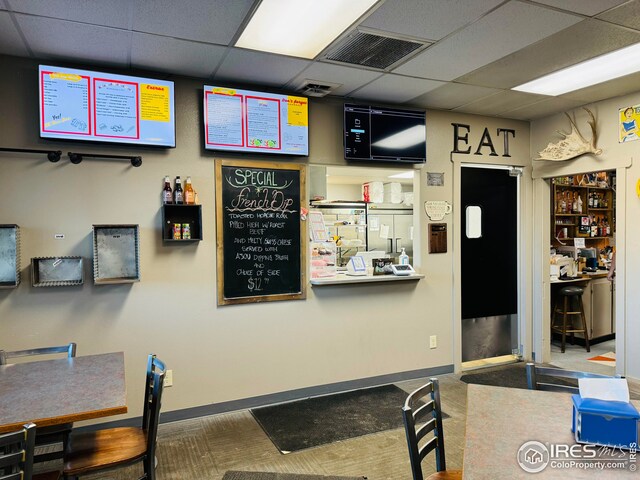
x: 583, y: 227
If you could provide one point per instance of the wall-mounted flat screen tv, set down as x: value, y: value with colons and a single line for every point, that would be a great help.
x: 384, y: 134
x: 104, y: 107
x: 255, y: 122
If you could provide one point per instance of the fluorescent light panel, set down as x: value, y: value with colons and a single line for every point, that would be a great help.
x: 300, y: 28
x: 590, y: 72
x: 408, y: 174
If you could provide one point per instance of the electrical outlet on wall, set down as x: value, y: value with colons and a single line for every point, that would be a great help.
x: 433, y: 341
x: 168, y: 378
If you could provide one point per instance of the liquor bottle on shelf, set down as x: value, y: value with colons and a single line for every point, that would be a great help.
x: 591, y: 200
x: 594, y: 227
x: 189, y: 194
x: 178, y: 194
x: 607, y: 227
x: 574, y: 205
x: 563, y: 204
x: 579, y: 203
x: 167, y: 193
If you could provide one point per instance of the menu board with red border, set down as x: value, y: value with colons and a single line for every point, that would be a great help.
x: 83, y: 105
x: 246, y: 121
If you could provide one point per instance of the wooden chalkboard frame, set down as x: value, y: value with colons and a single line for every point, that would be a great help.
x: 301, y: 169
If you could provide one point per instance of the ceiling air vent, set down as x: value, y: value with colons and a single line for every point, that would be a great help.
x: 375, y: 51
x: 314, y: 88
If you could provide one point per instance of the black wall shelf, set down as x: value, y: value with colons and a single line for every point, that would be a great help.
x: 189, y: 214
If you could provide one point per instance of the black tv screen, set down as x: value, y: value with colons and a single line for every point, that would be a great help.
x: 384, y: 134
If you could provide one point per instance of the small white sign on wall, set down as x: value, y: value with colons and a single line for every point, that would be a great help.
x: 437, y: 209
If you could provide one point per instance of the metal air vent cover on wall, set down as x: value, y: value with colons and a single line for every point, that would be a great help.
x: 371, y: 50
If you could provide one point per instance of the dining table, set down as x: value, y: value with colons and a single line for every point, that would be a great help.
x: 508, y: 431
x: 54, y: 392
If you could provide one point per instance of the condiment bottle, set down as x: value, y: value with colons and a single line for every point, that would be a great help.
x: 167, y: 194
x: 189, y: 194
x: 178, y: 196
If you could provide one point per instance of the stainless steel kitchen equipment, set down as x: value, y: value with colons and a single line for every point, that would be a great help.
x: 390, y: 228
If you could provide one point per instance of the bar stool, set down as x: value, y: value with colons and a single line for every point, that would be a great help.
x: 569, y: 297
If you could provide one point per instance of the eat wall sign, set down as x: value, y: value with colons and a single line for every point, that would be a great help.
x: 461, y: 142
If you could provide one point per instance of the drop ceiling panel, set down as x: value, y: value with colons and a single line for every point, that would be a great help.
x: 75, y: 42
x: 452, y: 95
x: 585, y: 7
x: 427, y: 19
x: 627, y: 15
x: 395, y: 88
x: 111, y: 13
x: 499, y: 103
x: 543, y: 108
x: 214, y: 21
x: 171, y: 55
x: 10, y: 41
x: 348, y: 78
x: 503, y: 31
x: 259, y: 68
x: 610, y: 89
x: 579, y: 42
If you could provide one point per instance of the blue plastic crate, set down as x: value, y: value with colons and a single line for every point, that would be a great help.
x: 604, y: 422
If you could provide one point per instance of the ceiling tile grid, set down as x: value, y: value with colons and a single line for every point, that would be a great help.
x: 10, y: 41
x: 627, y: 15
x: 395, y: 88
x: 504, y: 31
x: 452, y: 95
x: 72, y: 41
x: 112, y: 13
x: 427, y: 19
x: 349, y: 78
x: 585, y: 7
x: 274, y: 70
x: 213, y: 21
x: 572, y: 45
x: 170, y: 55
x: 499, y: 103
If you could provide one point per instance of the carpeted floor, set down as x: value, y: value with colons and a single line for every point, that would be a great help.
x: 317, y: 421
x: 238, y: 475
x: 512, y: 376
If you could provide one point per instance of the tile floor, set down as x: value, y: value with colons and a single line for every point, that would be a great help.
x: 575, y: 357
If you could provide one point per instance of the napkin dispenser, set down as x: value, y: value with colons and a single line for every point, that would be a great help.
x: 605, y: 422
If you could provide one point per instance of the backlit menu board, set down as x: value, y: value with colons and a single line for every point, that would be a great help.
x: 83, y: 105
x: 258, y: 122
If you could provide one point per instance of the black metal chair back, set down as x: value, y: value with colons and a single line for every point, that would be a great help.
x: 419, y: 421
x: 155, y: 404
x: 154, y: 365
x: 69, y: 349
x: 534, y: 383
x: 16, y: 453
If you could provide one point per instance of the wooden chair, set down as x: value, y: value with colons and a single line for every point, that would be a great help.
x: 419, y: 420
x: 116, y: 447
x: 16, y: 456
x: 534, y: 370
x: 46, y: 437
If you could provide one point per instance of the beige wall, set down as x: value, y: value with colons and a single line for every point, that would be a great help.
x: 623, y: 158
x: 217, y: 353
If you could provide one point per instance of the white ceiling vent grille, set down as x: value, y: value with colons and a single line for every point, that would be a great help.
x: 374, y: 51
x: 315, y: 88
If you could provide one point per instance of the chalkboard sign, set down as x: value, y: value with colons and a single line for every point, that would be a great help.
x: 259, y: 231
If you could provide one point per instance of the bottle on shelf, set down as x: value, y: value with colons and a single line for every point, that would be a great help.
x: 403, y: 258
x: 189, y: 193
x: 594, y: 227
x: 167, y: 193
x: 563, y: 204
x: 591, y: 200
x: 178, y: 194
x: 579, y: 204
x: 607, y: 227
x: 574, y: 205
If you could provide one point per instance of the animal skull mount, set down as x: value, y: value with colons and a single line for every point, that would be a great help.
x: 573, y: 144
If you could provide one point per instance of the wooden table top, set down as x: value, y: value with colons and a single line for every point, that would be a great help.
x: 68, y: 390
x: 500, y: 420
